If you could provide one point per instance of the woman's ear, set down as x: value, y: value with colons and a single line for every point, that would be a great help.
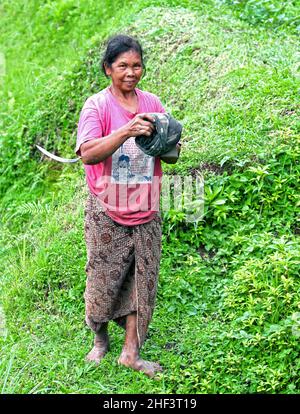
x: 107, y: 69
x: 144, y: 72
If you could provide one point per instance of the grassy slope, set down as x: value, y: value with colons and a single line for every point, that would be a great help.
x: 228, y: 288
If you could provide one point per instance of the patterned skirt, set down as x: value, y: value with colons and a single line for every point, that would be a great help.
x: 122, y: 269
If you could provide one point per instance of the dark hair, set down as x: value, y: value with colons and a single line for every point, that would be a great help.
x: 120, y: 44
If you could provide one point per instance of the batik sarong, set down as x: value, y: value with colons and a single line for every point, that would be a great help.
x: 122, y: 269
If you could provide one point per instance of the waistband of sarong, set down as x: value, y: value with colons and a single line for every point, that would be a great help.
x: 100, y: 208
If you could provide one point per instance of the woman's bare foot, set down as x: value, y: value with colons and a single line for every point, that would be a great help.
x: 101, y: 346
x: 138, y: 364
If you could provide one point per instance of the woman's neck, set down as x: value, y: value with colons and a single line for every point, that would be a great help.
x: 125, y: 96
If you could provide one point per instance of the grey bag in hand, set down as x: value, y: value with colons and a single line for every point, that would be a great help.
x: 162, y: 142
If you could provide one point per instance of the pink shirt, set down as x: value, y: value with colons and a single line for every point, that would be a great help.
x: 128, y: 183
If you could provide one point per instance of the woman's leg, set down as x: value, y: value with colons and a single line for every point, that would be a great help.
x: 101, y: 345
x: 110, y: 257
x: 130, y: 353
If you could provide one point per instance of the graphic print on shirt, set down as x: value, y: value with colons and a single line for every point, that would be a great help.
x: 130, y: 165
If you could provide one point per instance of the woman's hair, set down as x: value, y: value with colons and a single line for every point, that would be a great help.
x: 120, y: 44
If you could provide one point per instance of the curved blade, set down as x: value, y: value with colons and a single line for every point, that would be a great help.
x: 55, y: 157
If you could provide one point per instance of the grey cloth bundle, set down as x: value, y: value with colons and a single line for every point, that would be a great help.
x: 166, y: 135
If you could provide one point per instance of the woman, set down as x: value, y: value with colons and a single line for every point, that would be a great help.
x: 122, y: 218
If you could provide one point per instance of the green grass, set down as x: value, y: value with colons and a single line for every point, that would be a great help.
x: 227, y: 314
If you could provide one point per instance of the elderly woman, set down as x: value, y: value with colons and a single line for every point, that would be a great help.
x: 122, y: 218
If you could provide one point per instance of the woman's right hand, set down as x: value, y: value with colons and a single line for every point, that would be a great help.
x: 97, y: 150
x: 141, y: 124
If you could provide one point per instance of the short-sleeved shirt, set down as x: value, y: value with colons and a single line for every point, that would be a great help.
x: 128, y: 183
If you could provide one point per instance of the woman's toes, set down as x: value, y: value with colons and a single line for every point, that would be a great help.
x: 147, y: 367
x: 96, y: 354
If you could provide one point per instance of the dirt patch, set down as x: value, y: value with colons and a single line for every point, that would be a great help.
x: 209, y: 167
x: 288, y: 112
x: 206, y: 255
x: 170, y: 345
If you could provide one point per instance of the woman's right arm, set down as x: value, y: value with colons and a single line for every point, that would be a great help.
x: 97, y: 150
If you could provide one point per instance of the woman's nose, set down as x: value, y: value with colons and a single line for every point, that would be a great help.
x: 130, y: 71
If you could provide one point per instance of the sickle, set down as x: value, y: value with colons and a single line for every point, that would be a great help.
x: 55, y: 157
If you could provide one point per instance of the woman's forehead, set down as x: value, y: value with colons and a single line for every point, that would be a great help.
x: 130, y: 55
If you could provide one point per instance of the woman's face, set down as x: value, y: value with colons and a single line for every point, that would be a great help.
x: 126, y: 71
